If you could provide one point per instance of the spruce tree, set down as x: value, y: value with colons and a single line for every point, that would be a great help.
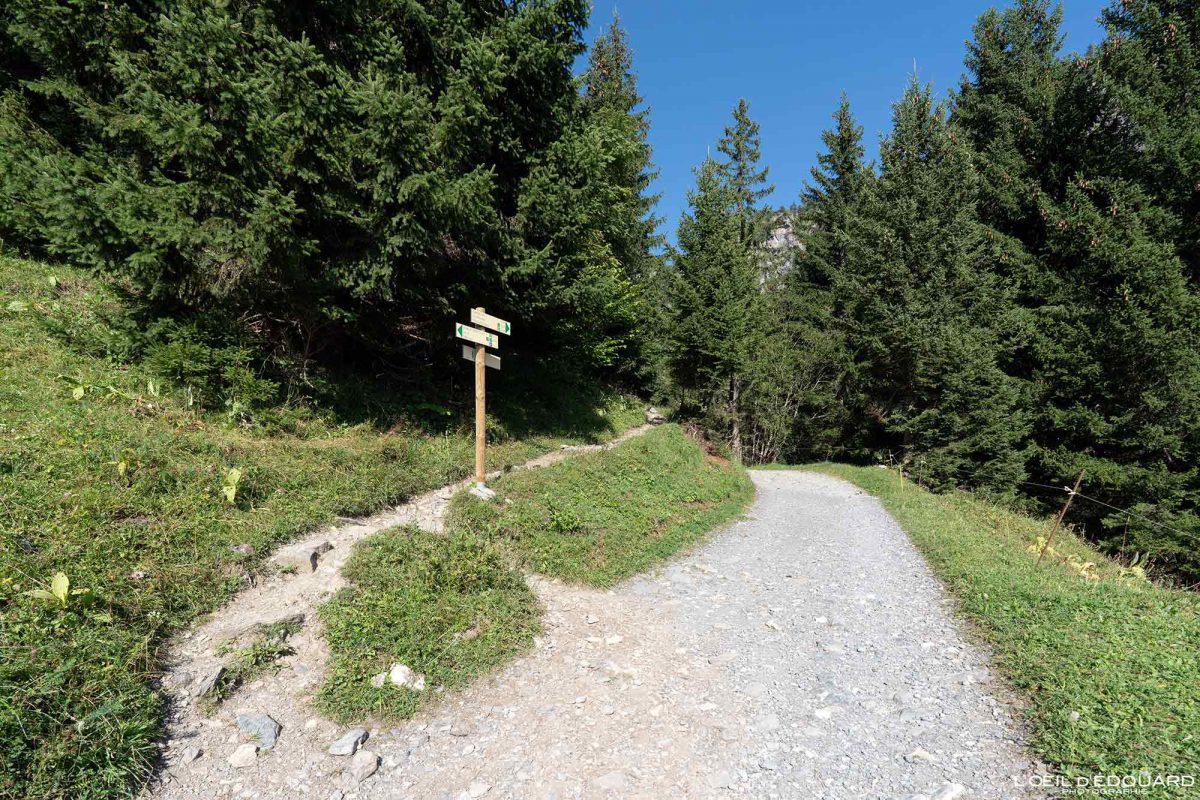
x: 921, y: 315
x: 830, y: 198
x: 741, y: 147
x: 611, y: 98
x: 717, y: 303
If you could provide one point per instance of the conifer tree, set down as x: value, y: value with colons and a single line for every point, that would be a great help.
x: 921, y: 315
x: 741, y: 147
x: 611, y: 98
x: 717, y: 303
x: 830, y: 198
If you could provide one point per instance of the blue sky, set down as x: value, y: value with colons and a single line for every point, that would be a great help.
x: 791, y: 60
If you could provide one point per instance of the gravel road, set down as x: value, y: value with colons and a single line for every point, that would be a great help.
x: 804, y: 652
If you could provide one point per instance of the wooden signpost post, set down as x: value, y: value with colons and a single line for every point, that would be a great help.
x: 483, y: 360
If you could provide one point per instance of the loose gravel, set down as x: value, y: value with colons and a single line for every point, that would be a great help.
x: 806, y: 651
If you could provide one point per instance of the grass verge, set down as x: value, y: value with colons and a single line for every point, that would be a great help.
x: 1109, y: 661
x: 453, y: 607
x: 448, y: 607
x: 158, y: 511
x: 604, y: 516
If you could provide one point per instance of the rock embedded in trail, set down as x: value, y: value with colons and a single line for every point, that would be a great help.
x: 654, y: 416
x: 207, y: 684
x: 363, y: 765
x: 348, y: 744
x: 244, y: 756
x: 261, y: 727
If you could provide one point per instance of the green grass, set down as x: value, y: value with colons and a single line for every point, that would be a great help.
x: 601, y: 517
x: 595, y: 518
x: 449, y: 607
x: 110, y: 475
x: 1109, y: 662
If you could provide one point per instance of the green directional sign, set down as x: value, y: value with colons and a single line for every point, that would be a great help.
x: 475, y: 335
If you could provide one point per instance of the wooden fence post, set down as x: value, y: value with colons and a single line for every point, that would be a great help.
x: 1061, y: 516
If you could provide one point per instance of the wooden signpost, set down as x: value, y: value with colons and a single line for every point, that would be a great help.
x: 483, y: 360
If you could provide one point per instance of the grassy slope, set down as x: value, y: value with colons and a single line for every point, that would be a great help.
x: 1098, y: 642
x: 121, y: 488
x: 596, y: 518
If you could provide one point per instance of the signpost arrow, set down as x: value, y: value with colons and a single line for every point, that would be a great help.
x: 475, y: 335
x: 468, y: 352
x: 488, y: 321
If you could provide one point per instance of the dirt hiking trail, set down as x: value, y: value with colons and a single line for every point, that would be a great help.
x: 806, y: 651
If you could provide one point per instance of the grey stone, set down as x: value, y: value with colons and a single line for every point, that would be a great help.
x: 303, y: 557
x: 207, y: 683
x: 189, y: 755
x: 348, y: 744
x: 654, y: 416
x: 363, y: 765
x: 260, y: 727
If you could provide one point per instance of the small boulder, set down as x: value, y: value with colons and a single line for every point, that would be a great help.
x: 243, y: 756
x: 259, y: 727
x: 363, y: 765
x: 348, y: 744
x: 654, y: 416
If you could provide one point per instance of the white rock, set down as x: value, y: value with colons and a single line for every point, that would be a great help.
x: 919, y: 755
x: 402, y: 675
x: 591, y: 619
x: 478, y: 789
x: 824, y: 713
x: 244, y: 756
x: 379, y: 680
x: 189, y: 755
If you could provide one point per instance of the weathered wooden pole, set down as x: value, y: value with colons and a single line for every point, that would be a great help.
x: 480, y: 415
x: 1061, y: 516
x: 481, y: 341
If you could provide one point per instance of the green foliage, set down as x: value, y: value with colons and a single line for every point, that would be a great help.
x: 720, y: 319
x: 122, y: 489
x: 1082, y: 161
x: 1107, y: 659
x: 601, y: 517
x: 340, y: 180
x: 414, y: 596
x: 923, y: 317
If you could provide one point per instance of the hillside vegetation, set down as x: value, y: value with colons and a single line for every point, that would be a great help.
x: 1107, y: 660
x: 157, y: 510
